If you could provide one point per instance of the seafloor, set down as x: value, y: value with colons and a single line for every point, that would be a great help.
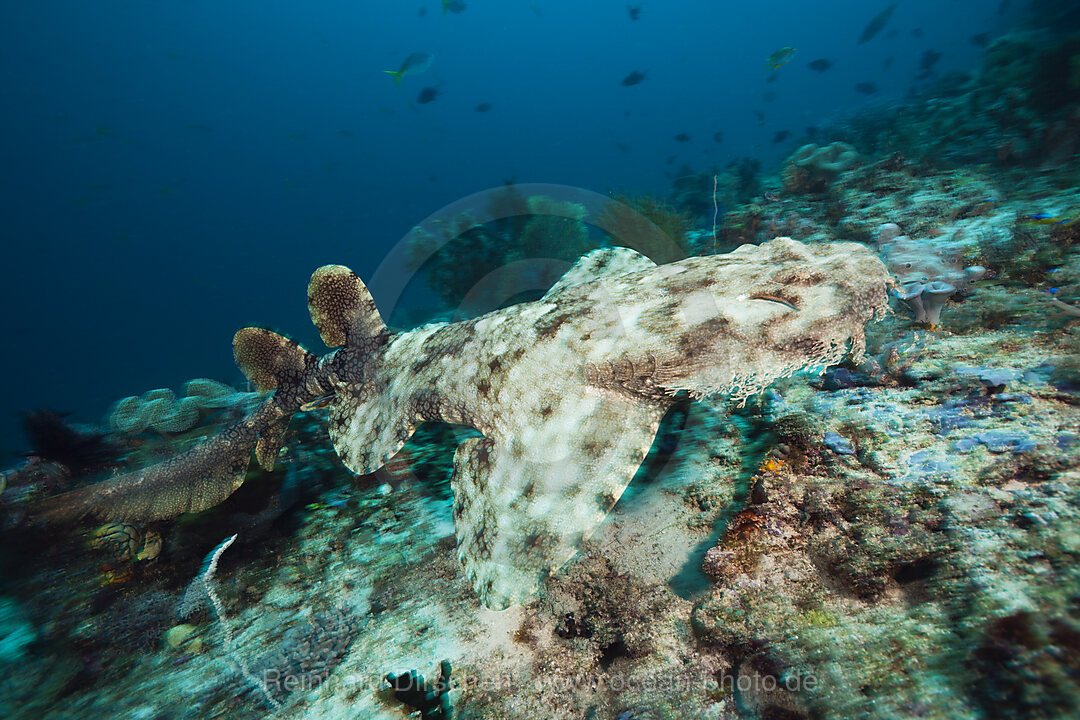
x: 894, y: 539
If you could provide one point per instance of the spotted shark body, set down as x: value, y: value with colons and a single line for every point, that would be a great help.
x: 566, y: 391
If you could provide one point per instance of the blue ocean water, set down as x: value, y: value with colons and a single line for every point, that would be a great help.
x: 174, y: 171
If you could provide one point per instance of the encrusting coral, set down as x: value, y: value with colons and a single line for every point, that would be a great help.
x: 568, y: 391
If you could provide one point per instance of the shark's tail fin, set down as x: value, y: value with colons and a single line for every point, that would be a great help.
x: 204, y: 475
x: 194, y: 480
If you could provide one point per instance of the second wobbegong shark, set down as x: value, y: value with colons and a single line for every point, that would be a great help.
x: 567, y: 391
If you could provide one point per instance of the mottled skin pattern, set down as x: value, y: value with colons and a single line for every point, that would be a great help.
x: 567, y: 391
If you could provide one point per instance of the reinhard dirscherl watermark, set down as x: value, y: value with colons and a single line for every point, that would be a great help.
x: 280, y: 683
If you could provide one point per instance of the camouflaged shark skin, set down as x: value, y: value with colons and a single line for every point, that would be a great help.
x: 568, y: 390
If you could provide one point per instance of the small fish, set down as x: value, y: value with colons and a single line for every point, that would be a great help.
x: 820, y: 65
x: 718, y: 137
x: 455, y: 6
x: 780, y: 136
x: 981, y: 40
x: 877, y: 24
x: 483, y: 107
x: 421, y: 12
x: 634, y: 11
x: 413, y: 65
x: 917, y: 32
x: 866, y: 88
x: 427, y: 95
x: 1046, y: 219
x: 682, y: 137
x: 633, y: 78
x: 887, y: 63
x: 623, y: 147
x: 780, y: 58
x: 929, y: 59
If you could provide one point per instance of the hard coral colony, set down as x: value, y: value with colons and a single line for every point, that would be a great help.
x: 568, y: 391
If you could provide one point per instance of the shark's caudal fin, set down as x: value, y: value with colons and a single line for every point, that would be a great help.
x: 206, y: 474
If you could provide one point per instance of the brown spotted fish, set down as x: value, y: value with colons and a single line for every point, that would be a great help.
x: 567, y: 391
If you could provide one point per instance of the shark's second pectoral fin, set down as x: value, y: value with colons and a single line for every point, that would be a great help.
x: 523, y: 503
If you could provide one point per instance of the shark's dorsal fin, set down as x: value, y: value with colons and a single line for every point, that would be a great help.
x: 605, y: 262
x: 343, y: 310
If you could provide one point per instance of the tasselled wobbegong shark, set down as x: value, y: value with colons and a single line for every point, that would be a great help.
x: 567, y: 391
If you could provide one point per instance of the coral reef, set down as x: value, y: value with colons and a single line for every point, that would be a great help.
x: 895, y: 538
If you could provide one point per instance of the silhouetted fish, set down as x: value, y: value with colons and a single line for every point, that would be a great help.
x: 455, y: 6
x: 483, y: 107
x: 866, y: 88
x: 634, y: 11
x: 780, y: 58
x: 780, y: 136
x: 819, y: 65
x: 412, y: 65
x: 887, y: 64
x: 877, y: 24
x: 718, y: 136
x: 633, y: 78
x: 917, y: 32
x: 929, y: 59
x: 682, y: 137
x: 622, y: 146
x: 427, y: 95
x: 982, y: 39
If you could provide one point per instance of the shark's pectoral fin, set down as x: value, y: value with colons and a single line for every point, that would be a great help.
x: 523, y: 504
x: 368, y: 427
